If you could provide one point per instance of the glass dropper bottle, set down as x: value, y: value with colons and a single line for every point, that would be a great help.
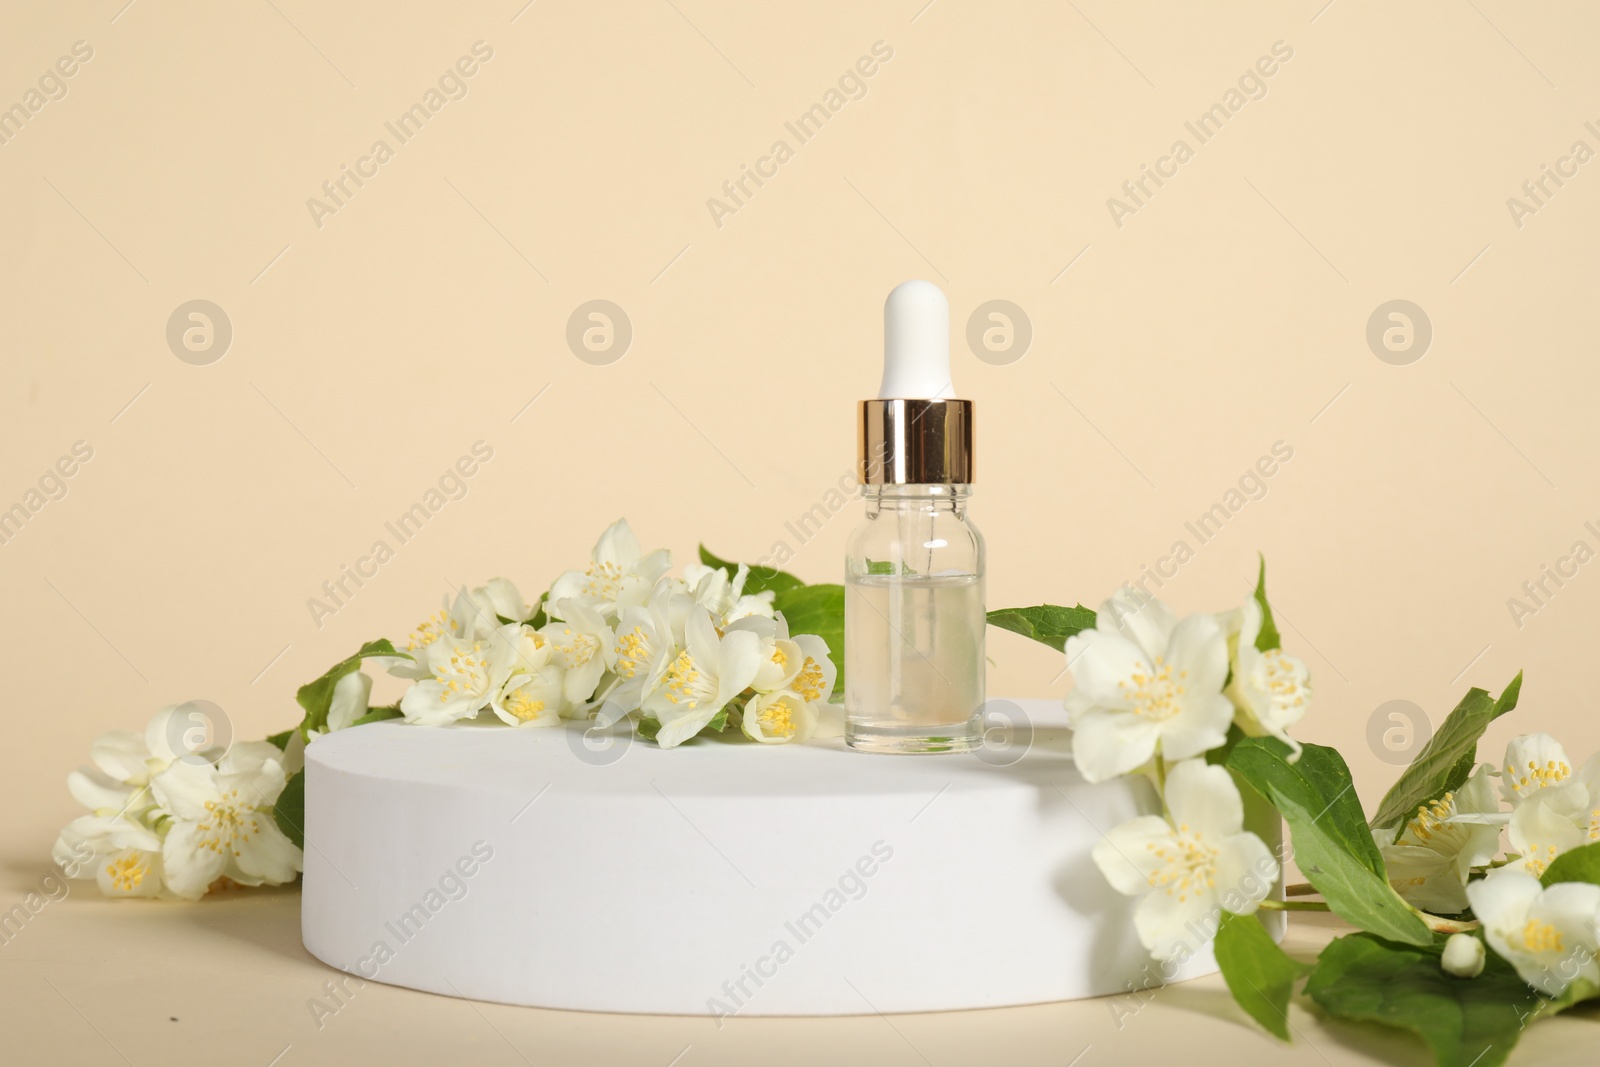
x: 914, y: 567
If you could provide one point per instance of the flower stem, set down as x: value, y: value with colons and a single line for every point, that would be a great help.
x: 1440, y: 925
x: 1437, y: 923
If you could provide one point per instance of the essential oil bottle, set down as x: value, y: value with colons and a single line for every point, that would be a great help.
x: 914, y: 568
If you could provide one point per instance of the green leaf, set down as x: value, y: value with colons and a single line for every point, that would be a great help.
x: 885, y: 566
x: 290, y: 811
x: 1581, y: 864
x: 760, y: 578
x: 1332, y: 843
x: 383, y: 714
x: 381, y: 647
x: 315, y: 697
x: 1260, y: 975
x: 1576, y: 993
x: 1460, y: 771
x: 1447, y: 759
x: 1049, y: 624
x: 649, y: 729
x: 817, y: 609
x: 281, y: 740
x: 1219, y: 756
x: 539, y: 617
x: 1268, y: 639
x: 1319, y: 781
x: 1467, y: 1022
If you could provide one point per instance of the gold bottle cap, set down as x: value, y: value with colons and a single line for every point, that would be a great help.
x: 914, y: 442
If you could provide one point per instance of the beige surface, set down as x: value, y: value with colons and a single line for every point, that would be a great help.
x: 1227, y: 313
x: 94, y: 980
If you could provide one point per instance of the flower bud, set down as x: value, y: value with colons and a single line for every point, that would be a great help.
x: 1463, y: 956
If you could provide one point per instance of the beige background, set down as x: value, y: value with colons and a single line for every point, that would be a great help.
x: 1228, y: 313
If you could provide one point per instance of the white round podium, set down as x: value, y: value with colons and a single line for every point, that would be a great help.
x: 719, y: 878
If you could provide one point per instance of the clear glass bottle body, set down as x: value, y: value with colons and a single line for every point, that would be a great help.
x: 914, y: 622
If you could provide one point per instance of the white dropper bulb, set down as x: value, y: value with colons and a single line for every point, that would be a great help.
x: 916, y: 343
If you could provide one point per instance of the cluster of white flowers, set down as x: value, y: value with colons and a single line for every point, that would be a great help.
x: 167, y: 822
x: 1544, y: 808
x: 622, y: 638
x: 1550, y: 934
x: 1152, y: 695
x: 1149, y: 686
x: 618, y: 639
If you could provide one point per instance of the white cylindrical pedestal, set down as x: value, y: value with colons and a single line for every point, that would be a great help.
x: 722, y: 877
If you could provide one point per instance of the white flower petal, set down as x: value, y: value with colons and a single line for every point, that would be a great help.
x: 567, y: 587
x: 617, y: 545
x: 130, y: 873
x: 1426, y: 878
x: 683, y: 727
x: 1244, y: 624
x: 1246, y: 872
x: 1140, y: 619
x: 96, y: 791
x: 1199, y: 652
x: 816, y: 650
x: 1107, y: 743
x: 700, y: 637
x: 1101, y: 665
x: 738, y: 659
x: 1200, y: 725
x: 1463, y: 956
x: 349, y: 703
x: 1532, y: 762
x: 251, y: 757
x: 1477, y: 794
x: 266, y: 856
x: 91, y: 837
x: 778, y: 718
x: 1126, y: 855
x: 1503, y: 898
x: 533, y: 699
x: 123, y: 756
x: 1076, y: 703
x: 1549, y: 935
x: 184, y: 789
x: 1205, y: 799
x: 257, y: 784
x: 189, y: 865
x: 294, y: 754
x: 505, y: 600
x: 1174, y: 926
x: 1542, y: 827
